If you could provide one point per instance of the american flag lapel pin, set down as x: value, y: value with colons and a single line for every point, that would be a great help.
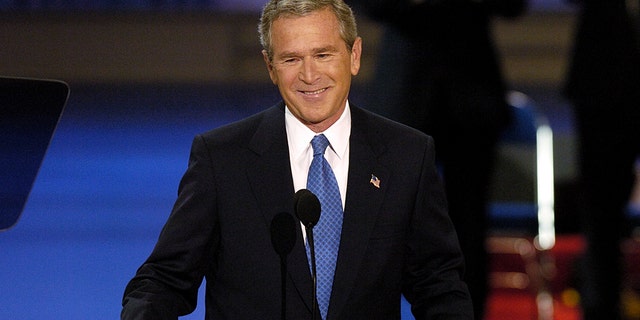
x: 375, y: 181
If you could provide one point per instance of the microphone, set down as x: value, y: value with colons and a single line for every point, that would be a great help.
x: 283, y: 238
x: 307, y: 209
x: 283, y: 233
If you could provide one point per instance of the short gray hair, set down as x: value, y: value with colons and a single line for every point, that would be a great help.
x: 275, y: 9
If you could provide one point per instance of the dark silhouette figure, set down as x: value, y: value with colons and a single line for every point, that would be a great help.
x: 603, y: 84
x: 438, y: 71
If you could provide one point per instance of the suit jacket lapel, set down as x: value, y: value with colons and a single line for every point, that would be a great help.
x: 362, y: 206
x: 272, y: 185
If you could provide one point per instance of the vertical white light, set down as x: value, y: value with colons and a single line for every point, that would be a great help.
x: 545, y: 193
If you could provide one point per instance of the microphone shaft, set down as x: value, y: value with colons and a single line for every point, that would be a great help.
x: 283, y: 279
x: 312, y: 250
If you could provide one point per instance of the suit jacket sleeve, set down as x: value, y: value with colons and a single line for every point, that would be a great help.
x: 166, y: 285
x: 433, y: 272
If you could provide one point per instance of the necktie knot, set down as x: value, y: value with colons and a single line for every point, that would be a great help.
x: 319, y: 144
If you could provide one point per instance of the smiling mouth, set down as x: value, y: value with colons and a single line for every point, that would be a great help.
x: 314, y: 92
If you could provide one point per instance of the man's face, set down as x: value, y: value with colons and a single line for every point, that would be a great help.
x: 312, y: 67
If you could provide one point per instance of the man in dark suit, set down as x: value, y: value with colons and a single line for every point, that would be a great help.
x: 396, y: 236
x: 603, y: 84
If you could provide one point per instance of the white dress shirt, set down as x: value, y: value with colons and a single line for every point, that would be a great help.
x: 301, y: 153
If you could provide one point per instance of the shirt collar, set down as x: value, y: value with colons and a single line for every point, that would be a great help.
x: 299, y: 135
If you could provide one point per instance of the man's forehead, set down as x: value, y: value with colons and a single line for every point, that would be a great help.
x: 327, y: 16
x: 290, y: 37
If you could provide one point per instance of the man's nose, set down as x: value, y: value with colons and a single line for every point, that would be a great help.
x: 309, y: 71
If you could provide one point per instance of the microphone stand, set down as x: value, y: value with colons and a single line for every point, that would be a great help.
x: 314, y: 303
x: 283, y: 238
x: 283, y: 279
x: 307, y: 208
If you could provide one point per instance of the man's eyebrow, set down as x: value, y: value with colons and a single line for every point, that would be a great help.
x: 289, y: 54
x: 325, y: 49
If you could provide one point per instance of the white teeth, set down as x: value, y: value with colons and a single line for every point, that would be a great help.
x: 314, y: 92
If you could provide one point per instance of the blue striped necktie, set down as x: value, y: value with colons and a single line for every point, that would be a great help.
x: 322, y: 182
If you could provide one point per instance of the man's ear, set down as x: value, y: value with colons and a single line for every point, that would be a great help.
x: 356, y: 54
x: 265, y: 56
x: 267, y: 61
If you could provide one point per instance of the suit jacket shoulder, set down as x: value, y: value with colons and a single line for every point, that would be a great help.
x: 269, y: 121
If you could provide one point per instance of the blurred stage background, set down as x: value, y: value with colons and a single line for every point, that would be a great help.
x: 145, y: 77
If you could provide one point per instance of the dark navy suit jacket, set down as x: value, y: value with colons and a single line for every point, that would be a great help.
x: 396, y: 238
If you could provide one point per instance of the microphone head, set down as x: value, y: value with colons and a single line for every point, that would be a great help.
x: 283, y: 233
x: 307, y: 207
